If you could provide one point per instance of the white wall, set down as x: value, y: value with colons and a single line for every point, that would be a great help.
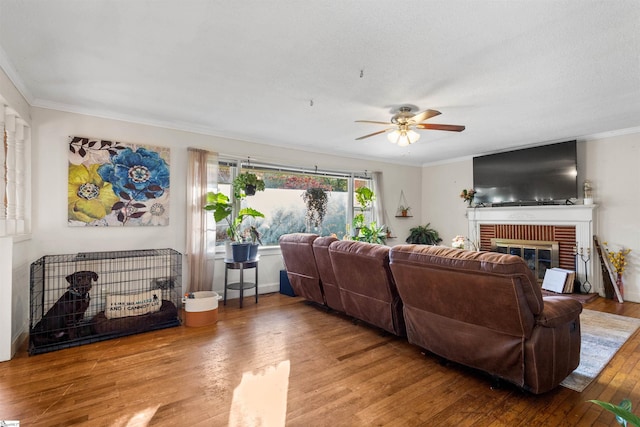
x: 611, y: 164
x: 613, y: 167
x: 442, y: 206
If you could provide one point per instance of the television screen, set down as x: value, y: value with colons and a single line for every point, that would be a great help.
x: 538, y: 175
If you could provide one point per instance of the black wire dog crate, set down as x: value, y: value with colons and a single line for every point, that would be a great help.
x: 93, y: 296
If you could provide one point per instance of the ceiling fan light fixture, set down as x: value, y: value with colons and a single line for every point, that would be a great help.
x: 394, y: 136
x: 403, y: 141
x: 413, y: 136
x: 403, y: 137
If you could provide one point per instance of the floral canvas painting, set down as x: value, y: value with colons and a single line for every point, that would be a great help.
x: 117, y: 184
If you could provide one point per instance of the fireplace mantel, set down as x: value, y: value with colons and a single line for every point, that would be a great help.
x: 582, y: 217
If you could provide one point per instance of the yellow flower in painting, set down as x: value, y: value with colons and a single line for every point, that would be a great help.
x: 89, y: 197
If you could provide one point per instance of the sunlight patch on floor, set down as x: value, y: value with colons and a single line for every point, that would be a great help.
x: 140, y: 419
x: 261, y: 398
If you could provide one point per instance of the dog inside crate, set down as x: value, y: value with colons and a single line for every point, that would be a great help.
x: 63, y: 320
x: 87, y: 297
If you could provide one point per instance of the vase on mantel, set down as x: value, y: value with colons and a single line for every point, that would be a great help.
x: 620, y: 285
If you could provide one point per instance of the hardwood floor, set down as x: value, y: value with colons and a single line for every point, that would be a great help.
x: 284, y: 359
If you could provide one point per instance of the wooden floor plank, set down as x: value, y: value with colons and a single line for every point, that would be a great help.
x: 338, y: 373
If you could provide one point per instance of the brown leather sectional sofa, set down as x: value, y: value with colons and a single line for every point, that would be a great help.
x: 480, y: 309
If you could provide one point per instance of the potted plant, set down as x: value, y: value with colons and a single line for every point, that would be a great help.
x: 404, y: 210
x: 358, y: 223
x: 222, y: 209
x: 468, y: 195
x: 365, y: 198
x: 423, y: 235
x: 246, y: 184
x: 239, y: 247
x: 623, y: 413
x: 372, y: 233
x: 316, y: 200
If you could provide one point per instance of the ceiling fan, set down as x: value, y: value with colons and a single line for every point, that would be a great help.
x: 403, y: 124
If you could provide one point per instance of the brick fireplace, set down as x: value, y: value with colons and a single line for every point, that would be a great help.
x: 571, y: 227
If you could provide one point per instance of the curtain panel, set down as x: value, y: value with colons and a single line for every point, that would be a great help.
x: 201, y: 178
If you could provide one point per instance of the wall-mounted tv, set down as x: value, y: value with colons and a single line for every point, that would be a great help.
x: 545, y: 174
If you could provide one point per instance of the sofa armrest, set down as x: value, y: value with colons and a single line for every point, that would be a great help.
x: 558, y: 311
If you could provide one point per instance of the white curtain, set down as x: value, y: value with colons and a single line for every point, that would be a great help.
x: 200, y: 238
x: 379, y: 214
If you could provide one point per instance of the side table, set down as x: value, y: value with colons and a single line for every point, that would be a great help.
x: 241, y: 285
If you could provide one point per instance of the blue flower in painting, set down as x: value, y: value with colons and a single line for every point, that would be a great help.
x: 137, y: 175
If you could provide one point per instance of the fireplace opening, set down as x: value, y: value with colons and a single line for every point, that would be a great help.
x: 539, y: 255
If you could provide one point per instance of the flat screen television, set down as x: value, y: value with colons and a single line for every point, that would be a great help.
x: 546, y: 174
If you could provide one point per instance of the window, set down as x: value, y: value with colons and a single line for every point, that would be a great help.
x: 282, y: 200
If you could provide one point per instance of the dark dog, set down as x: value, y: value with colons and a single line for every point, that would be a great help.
x: 61, y: 321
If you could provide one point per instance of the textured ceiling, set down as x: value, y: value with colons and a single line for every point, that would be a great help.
x: 515, y: 73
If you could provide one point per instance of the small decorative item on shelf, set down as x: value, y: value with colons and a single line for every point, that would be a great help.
x: 403, y: 207
x: 588, y: 193
x: 404, y: 210
x: 467, y: 195
x: 618, y: 262
x: 458, y: 242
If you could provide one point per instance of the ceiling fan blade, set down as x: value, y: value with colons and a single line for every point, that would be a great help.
x: 427, y: 114
x: 433, y: 126
x: 374, y: 122
x: 374, y: 134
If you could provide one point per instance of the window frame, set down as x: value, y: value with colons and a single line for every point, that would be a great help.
x: 242, y: 165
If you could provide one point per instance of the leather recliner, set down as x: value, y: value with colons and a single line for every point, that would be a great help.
x: 367, y: 288
x: 300, y: 263
x: 485, y: 310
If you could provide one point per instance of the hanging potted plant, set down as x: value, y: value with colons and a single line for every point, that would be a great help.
x: 316, y: 200
x: 365, y: 198
x: 246, y: 184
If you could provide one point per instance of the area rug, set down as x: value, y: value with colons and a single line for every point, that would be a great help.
x: 602, y: 336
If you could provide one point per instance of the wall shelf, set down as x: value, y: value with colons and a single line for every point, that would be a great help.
x: 404, y: 216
